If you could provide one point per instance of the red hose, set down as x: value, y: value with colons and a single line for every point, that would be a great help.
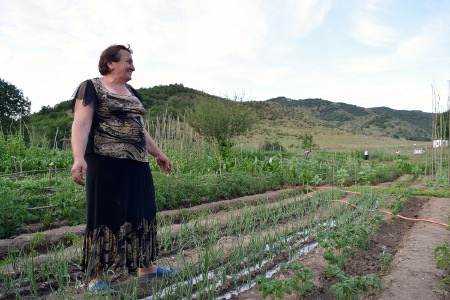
x: 392, y: 214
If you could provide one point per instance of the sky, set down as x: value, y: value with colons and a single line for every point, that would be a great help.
x: 369, y: 53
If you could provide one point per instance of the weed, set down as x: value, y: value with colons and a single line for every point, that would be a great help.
x: 38, y: 239
x: 385, y: 262
x: 70, y: 238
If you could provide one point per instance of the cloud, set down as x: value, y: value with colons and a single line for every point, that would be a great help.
x: 370, y: 65
x: 307, y: 15
x: 263, y: 48
x: 291, y: 20
x: 425, y: 42
x: 371, y: 33
x: 371, y: 19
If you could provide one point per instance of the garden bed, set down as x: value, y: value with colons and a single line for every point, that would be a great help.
x: 411, y: 270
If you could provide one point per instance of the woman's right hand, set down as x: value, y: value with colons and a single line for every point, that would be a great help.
x: 78, y: 171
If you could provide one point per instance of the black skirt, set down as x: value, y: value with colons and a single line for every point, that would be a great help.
x: 121, y: 209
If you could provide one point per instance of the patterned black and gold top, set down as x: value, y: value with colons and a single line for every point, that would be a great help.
x: 118, y: 124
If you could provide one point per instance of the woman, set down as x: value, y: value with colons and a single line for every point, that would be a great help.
x: 110, y: 148
x: 366, y: 154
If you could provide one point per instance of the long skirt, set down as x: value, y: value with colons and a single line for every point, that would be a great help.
x: 121, y: 226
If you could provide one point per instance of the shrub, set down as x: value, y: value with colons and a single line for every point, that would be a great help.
x: 271, y: 146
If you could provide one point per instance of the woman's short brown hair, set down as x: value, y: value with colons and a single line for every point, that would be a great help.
x: 112, y: 53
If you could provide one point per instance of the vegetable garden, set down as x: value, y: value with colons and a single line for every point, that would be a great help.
x: 252, y: 225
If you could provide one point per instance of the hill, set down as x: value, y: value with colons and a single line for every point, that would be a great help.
x: 280, y: 118
x: 377, y: 121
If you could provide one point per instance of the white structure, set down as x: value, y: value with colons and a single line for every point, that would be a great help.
x: 419, y: 151
x: 440, y: 143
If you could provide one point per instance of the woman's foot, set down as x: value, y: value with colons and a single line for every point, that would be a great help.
x: 156, y: 271
x: 100, y: 286
x: 92, y: 283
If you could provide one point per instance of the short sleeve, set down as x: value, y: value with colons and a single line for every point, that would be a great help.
x: 85, y: 92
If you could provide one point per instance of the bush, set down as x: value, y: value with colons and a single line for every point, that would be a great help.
x: 271, y: 146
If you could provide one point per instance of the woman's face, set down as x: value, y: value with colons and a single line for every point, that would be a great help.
x: 124, y: 67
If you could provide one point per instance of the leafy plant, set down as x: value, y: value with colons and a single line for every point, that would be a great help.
x: 38, y: 239
x: 316, y: 180
x: 340, y: 243
x: 442, y: 258
x: 417, y: 169
x: 342, y: 176
x: 385, y: 262
x: 277, y: 288
x: 70, y: 238
x: 365, y: 175
x: 396, y: 205
x: 351, y: 286
x: 333, y: 270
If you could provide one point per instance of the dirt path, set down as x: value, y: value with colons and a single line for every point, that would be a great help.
x: 414, y: 273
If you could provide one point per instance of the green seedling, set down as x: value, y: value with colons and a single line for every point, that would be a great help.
x: 277, y: 288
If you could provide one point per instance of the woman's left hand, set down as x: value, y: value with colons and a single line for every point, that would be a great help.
x: 164, y: 164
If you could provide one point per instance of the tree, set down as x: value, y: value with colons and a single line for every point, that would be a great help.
x: 307, y: 141
x: 221, y: 120
x: 13, y: 105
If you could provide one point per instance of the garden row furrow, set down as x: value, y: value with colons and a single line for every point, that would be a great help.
x: 240, y: 242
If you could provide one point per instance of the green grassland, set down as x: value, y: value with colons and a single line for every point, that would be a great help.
x: 288, y: 133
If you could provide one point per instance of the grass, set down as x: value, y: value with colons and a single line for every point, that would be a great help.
x: 328, y: 139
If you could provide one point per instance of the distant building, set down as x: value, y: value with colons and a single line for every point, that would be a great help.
x: 440, y: 143
x: 419, y: 151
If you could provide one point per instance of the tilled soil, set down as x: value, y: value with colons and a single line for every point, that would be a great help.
x: 412, y: 273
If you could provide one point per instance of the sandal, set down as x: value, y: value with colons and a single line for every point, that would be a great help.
x: 161, y: 272
x: 102, y: 287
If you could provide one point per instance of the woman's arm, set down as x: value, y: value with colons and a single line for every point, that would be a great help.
x: 81, y: 126
x: 161, y: 159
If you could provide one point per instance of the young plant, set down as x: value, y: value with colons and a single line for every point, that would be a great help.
x: 442, y: 259
x: 351, y: 286
x: 442, y: 256
x: 316, y: 180
x: 385, y: 262
x: 342, y: 176
x: 340, y: 243
x: 277, y: 288
x: 38, y: 239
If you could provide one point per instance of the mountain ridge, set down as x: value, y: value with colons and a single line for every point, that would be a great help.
x: 276, y: 114
x: 381, y: 121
